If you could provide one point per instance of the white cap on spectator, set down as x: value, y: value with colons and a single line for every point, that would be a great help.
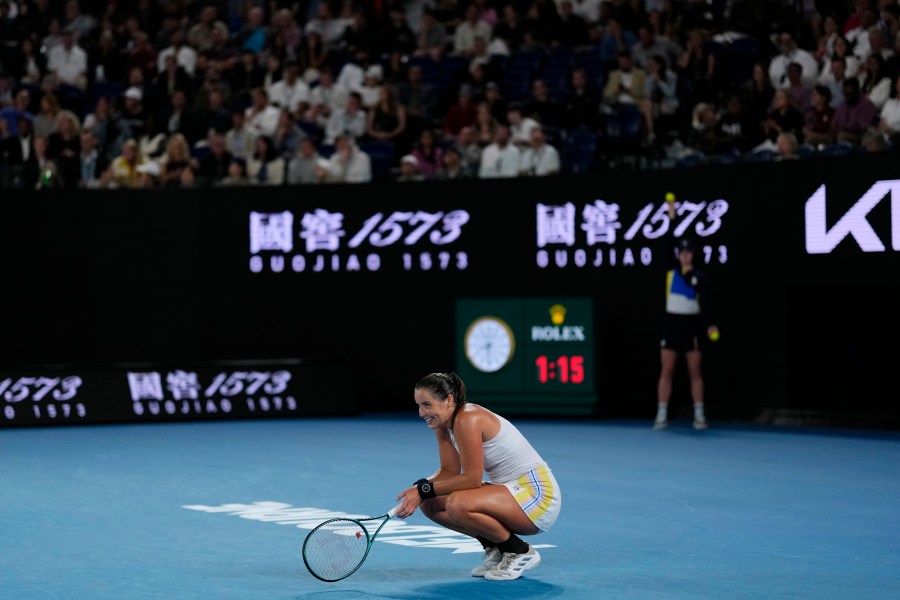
x: 134, y: 93
x: 409, y: 158
x: 375, y: 72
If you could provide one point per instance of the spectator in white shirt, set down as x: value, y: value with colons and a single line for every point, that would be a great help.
x: 501, y: 157
x: 352, y: 120
x: 539, y: 159
x: 290, y: 92
x: 68, y: 61
x: 472, y: 27
x: 520, y: 126
x: 185, y: 56
x: 262, y: 117
x: 790, y: 53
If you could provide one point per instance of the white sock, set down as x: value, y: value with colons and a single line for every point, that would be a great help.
x: 698, y: 413
x: 661, y: 411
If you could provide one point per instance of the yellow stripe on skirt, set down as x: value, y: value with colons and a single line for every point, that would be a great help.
x: 539, y: 496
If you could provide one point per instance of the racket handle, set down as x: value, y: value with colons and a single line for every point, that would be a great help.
x: 393, y: 512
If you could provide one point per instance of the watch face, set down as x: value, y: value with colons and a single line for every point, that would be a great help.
x: 489, y: 344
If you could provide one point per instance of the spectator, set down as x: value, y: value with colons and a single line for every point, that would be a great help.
x: 215, y: 164
x: 287, y: 135
x: 539, y: 158
x: 325, y: 98
x: 397, y: 38
x: 615, y: 41
x: 64, y: 148
x: 185, y: 56
x: 302, y: 166
x: 265, y: 166
x: 177, y: 167
x: 409, y: 170
x: 428, y: 155
x: 261, y: 117
x: 94, y: 163
x: 170, y: 78
x: 889, y: 118
x: 789, y: 53
x: 68, y: 61
x: 501, y: 158
x: 17, y: 151
x: 315, y: 56
x: 45, y: 120
x: 581, y: 105
x: 236, y: 175
x: 874, y: 82
x: 106, y: 62
x: 19, y: 107
x: 786, y: 145
x: 349, y: 164
x: 520, y: 126
x: 834, y: 81
x: 291, y: 93
x: 181, y: 118
x: 542, y: 107
x: 783, y: 116
x: 798, y: 89
x: 240, y: 141
x: 452, y: 166
x: 31, y: 65
x: 134, y: 115
x: 432, y: 38
x: 627, y: 84
x: 459, y: 115
x: 841, y: 50
x: 471, y: 27
x: 419, y: 98
x: 817, y: 129
x: 469, y: 149
x: 736, y: 131
x: 253, y: 35
x: 854, y: 115
x: 649, y: 45
x: 485, y: 127
x: 660, y: 101
x: 200, y: 35
x: 351, y: 120
x: 123, y: 171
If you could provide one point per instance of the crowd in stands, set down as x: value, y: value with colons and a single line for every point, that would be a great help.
x: 176, y: 93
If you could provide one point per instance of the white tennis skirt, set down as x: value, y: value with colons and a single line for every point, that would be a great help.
x: 539, y: 496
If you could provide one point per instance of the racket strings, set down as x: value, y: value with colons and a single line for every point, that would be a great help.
x: 335, y: 549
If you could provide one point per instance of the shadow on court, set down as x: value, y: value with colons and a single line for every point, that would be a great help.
x: 523, y: 588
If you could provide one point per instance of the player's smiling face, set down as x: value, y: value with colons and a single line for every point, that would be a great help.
x: 435, y: 411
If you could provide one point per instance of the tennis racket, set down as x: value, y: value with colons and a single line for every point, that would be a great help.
x: 336, y: 548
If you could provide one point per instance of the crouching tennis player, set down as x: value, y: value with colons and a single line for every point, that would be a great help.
x: 520, y: 496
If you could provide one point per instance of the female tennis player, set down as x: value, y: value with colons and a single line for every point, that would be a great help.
x: 519, y: 497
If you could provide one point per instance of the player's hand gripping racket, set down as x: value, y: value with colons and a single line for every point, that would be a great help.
x: 336, y: 548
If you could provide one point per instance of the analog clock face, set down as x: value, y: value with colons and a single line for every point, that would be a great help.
x: 489, y: 344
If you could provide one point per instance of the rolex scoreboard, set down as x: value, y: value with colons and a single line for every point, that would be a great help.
x: 527, y: 355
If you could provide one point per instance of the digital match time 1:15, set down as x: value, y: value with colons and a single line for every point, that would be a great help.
x: 565, y: 369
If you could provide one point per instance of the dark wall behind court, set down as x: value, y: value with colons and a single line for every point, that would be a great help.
x: 161, y: 276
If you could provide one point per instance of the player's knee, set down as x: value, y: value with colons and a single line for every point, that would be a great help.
x: 456, y: 506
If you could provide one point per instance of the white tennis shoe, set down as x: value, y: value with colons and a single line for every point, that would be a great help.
x: 512, y: 566
x: 490, y: 560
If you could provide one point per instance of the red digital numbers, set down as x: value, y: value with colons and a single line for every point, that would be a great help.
x: 562, y: 369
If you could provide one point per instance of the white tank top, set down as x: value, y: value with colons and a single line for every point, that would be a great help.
x: 508, y: 455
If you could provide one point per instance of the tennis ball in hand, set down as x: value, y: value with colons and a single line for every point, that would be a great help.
x: 714, y: 335
x: 670, y: 197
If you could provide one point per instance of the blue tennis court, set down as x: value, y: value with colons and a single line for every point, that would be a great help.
x: 219, y: 510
